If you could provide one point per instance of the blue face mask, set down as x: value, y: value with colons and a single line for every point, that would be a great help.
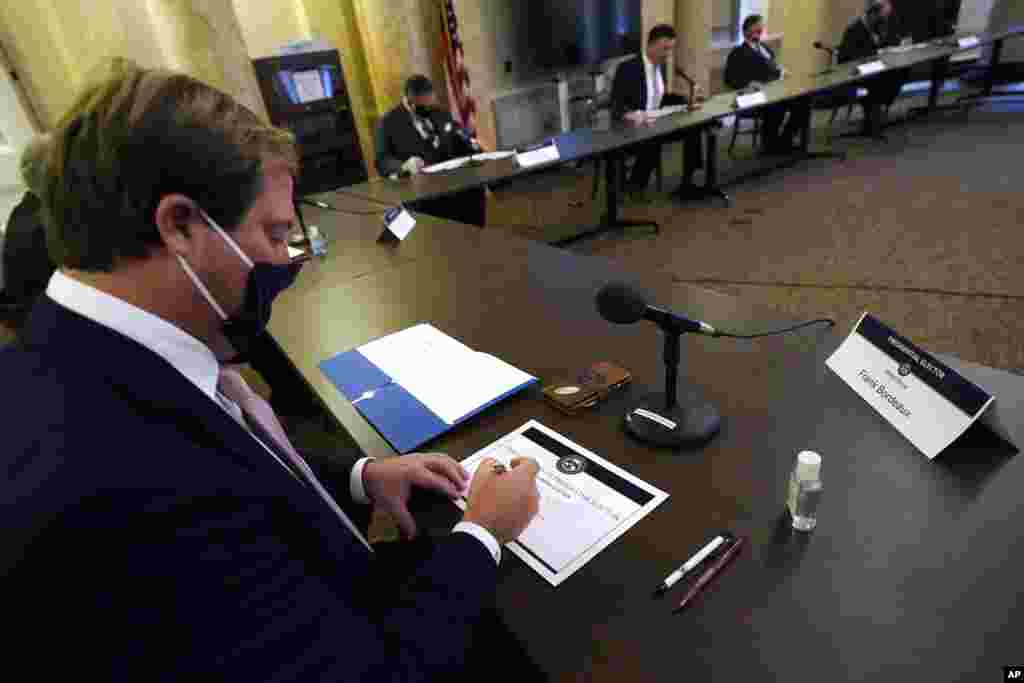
x: 265, y: 282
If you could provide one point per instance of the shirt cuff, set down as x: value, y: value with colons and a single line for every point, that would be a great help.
x: 356, y: 487
x: 481, y: 534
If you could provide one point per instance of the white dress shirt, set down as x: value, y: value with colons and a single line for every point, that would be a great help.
x: 762, y: 50
x: 655, y: 84
x: 197, y: 363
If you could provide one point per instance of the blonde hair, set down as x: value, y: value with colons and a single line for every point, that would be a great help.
x: 132, y: 137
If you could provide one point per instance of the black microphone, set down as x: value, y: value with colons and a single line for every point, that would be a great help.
x: 463, y: 134
x: 660, y: 419
x: 619, y: 303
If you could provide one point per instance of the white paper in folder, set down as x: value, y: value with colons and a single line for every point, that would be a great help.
x: 442, y: 373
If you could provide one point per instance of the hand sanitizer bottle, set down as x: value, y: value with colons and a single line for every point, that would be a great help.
x: 804, y: 492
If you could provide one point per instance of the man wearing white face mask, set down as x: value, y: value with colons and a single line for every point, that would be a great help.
x: 148, y: 488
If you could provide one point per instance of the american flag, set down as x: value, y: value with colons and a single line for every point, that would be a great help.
x: 463, y: 104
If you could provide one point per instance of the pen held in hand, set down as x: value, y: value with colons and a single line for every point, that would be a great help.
x: 710, y: 573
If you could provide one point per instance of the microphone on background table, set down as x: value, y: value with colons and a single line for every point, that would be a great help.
x: 464, y: 135
x: 660, y: 419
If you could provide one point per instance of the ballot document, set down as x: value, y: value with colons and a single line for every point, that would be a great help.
x: 586, y: 502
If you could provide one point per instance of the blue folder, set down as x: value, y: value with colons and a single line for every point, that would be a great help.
x: 396, y: 414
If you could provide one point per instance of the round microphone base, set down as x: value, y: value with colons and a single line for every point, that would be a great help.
x: 690, y: 424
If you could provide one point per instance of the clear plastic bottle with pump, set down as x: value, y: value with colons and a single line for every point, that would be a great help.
x: 317, y: 241
x: 804, y: 493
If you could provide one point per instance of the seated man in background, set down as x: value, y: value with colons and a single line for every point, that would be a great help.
x: 147, y: 488
x: 416, y: 134
x: 754, y: 62
x: 862, y: 39
x: 639, y: 88
x: 26, y: 262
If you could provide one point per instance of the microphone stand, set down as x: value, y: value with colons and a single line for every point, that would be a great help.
x: 659, y: 419
x: 316, y: 246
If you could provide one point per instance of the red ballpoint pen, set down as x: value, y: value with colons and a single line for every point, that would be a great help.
x: 710, y: 573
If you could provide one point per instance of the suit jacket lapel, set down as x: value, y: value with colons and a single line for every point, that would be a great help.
x: 643, y: 83
x: 142, y: 377
x: 757, y: 53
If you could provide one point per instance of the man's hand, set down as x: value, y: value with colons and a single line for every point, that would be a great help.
x: 503, y: 502
x: 413, y: 165
x: 637, y: 118
x: 389, y: 482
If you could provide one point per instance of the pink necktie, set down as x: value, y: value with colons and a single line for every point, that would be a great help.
x: 234, y: 387
x: 657, y: 87
x: 257, y: 410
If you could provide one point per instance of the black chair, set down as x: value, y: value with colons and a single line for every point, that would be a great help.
x: 835, y: 102
x: 597, y: 104
x: 754, y: 131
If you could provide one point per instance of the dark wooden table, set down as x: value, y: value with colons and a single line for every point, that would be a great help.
x: 912, y: 574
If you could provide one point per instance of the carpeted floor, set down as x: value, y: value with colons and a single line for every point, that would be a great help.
x: 922, y: 230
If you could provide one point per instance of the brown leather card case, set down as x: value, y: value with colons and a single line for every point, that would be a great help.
x: 592, y: 386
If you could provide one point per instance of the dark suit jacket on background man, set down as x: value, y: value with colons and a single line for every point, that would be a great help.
x: 745, y: 65
x: 26, y: 261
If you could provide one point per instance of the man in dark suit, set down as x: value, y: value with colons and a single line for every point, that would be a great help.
x: 754, y: 62
x: 639, y: 88
x: 863, y: 38
x: 158, y: 523
x: 26, y: 262
x: 416, y: 134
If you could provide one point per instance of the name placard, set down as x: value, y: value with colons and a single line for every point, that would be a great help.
x: 871, y: 68
x: 923, y: 398
x: 543, y: 155
x: 398, y: 223
x: 968, y: 42
x: 751, y: 100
